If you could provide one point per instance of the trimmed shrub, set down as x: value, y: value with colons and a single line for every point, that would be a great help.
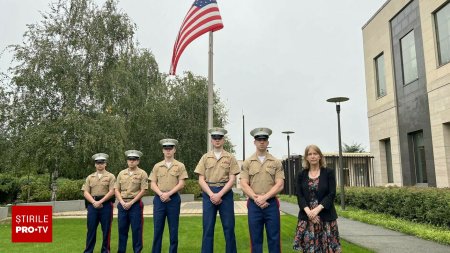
x: 424, y: 205
x: 37, y: 189
x: 69, y: 189
x: 192, y: 187
x: 9, y: 188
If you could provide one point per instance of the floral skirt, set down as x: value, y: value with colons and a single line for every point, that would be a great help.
x: 320, y: 237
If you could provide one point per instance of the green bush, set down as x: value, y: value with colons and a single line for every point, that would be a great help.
x: 69, y: 189
x: 192, y: 187
x: 424, y: 205
x: 36, y: 189
x: 9, y: 188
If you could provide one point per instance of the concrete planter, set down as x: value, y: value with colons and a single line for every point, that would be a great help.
x: 59, y: 206
x: 3, y: 212
x: 77, y: 205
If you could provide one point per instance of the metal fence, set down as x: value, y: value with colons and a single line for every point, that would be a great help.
x: 358, y: 169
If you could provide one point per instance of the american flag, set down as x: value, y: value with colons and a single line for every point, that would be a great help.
x: 201, y: 18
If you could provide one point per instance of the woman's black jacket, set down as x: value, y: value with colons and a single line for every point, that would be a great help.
x: 325, y: 195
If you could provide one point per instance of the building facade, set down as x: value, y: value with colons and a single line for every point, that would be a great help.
x: 407, y: 71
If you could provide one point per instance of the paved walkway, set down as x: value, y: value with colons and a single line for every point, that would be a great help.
x: 187, y: 209
x: 369, y: 236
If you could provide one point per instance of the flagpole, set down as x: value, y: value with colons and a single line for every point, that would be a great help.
x: 210, y: 89
x: 243, y: 136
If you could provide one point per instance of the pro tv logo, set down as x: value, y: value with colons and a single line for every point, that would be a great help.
x: 31, y: 224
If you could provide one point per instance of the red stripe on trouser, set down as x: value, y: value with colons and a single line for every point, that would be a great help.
x: 279, y: 222
x: 249, y: 234
x: 110, y: 225
x: 141, y: 205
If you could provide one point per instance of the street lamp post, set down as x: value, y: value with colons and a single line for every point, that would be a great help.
x: 337, y: 101
x: 289, y: 160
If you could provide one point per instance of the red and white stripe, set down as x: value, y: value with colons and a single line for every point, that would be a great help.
x: 197, y: 22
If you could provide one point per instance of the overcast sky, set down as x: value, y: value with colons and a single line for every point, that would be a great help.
x: 275, y: 61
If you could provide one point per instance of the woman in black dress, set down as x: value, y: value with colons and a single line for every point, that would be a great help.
x: 317, y: 229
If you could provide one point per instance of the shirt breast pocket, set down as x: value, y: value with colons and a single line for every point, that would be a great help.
x: 161, y: 174
x: 104, y: 182
x: 136, y: 181
x: 271, y: 170
x: 209, y: 165
x: 123, y: 184
x: 225, y: 167
x: 174, y: 172
x: 253, y: 171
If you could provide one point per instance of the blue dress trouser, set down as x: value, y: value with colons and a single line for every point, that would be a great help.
x: 161, y: 210
x: 133, y: 217
x: 226, y: 211
x: 268, y: 217
x: 103, y: 216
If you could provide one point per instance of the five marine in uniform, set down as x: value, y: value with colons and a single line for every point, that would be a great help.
x: 262, y: 178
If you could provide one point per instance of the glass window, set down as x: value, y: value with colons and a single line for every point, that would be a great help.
x: 418, y: 149
x: 380, y: 76
x: 442, y: 21
x: 387, y: 148
x: 409, y: 60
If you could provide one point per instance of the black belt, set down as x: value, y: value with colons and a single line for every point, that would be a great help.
x: 268, y: 200
x: 98, y: 198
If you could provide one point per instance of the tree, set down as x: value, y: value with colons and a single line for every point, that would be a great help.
x: 353, y: 148
x: 81, y: 85
x: 61, y: 90
x: 189, y: 105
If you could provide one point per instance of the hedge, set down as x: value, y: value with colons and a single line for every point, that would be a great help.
x: 424, y: 205
x: 192, y: 187
x: 9, y: 188
x: 36, y: 188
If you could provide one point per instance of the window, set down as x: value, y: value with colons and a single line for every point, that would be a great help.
x: 387, y: 148
x: 418, y: 151
x: 447, y: 144
x: 409, y: 59
x: 442, y: 22
x: 380, y: 76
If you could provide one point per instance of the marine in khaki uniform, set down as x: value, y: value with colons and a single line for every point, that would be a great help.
x: 98, y: 191
x: 217, y: 172
x: 130, y: 187
x: 262, y: 178
x: 167, y: 178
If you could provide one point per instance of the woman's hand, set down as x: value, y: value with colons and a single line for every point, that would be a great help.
x: 316, y: 220
x: 315, y: 212
x: 310, y: 213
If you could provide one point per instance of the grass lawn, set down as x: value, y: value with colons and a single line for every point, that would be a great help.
x: 69, y: 236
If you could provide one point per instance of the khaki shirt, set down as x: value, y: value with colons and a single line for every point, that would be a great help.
x: 130, y: 185
x: 167, y: 178
x: 217, y: 171
x: 262, y: 176
x: 99, y: 186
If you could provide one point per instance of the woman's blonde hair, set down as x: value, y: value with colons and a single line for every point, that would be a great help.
x: 305, y: 163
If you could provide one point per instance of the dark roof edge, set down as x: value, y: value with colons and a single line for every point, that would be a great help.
x: 373, y: 16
